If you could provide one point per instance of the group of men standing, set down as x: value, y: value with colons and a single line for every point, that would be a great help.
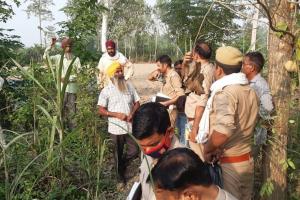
x: 214, y: 108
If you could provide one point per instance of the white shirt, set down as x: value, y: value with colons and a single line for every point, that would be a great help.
x: 106, y: 60
x: 116, y: 101
x: 261, y: 87
x: 72, y: 86
x: 224, y: 195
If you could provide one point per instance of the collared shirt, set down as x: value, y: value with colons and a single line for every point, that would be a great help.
x: 261, y: 87
x: 173, y: 84
x: 224, y: 195
x: 106, y: 60
x: 234, y: 113
x: 72, y: 86
x: 116, y: 101
x: 147, y: 190
x: 208, y: 72
x: 194, y: 100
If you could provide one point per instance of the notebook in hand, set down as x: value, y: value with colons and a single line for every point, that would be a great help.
x: 161, y: 98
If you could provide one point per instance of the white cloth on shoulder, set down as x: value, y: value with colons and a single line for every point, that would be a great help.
x: 232, y: 79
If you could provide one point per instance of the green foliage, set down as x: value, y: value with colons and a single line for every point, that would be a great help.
x: 183, y: 19
x: 8, y: 43
x: 266, y: 189
x: 6, y: 10
x: 87, y: 51
x: 47, y: 161
x: 128, y: 17
x: 83, y: 18
x: 281, y: 26
x: 34, y: 54
x: 82, y: 28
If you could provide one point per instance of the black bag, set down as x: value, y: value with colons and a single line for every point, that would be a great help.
x: 215, y: 171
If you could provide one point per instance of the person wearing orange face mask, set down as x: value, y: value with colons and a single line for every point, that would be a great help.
x: 151, y: 127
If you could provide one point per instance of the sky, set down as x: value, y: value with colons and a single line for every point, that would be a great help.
x: 26, y: 27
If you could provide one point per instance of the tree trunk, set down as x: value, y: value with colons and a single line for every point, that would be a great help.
x: 254, y: 29
x: 191, y: 43
x: 185, y: 47
x: 104, y: 26
x: 130, y: 49
x: 40, y: 24
x: 125, y: 48
x: 280, y: 51
x: 155, y: 49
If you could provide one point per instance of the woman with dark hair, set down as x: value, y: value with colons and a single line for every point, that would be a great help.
x: 180, y: 175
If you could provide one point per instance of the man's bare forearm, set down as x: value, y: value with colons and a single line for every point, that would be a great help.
x: 104, y: 112
x: 215, y: 141
x: 135, y: 107
x: 198, y: 115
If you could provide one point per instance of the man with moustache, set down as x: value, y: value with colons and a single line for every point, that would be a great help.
x: 226, y: 127
x: 118, y: 101
x: 111, y: 55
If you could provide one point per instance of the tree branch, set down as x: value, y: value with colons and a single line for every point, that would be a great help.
x: 271, y: 23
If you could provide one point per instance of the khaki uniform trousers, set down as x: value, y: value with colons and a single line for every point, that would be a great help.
x: 238, y: 178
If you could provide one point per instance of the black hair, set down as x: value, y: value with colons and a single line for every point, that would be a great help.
x: 165, y: 59
x: 150, y: 118
x: 229, y: 69
x: 203, y: 49
x: 257, y: 59
x: 178, y: 62
x: 180, y: 168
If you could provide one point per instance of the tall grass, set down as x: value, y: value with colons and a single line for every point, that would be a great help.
x: 48, y: 150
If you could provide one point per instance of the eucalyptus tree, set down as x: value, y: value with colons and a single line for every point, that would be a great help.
x: 40, y: 9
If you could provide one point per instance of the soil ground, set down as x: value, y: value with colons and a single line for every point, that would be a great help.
x: 146, y: 89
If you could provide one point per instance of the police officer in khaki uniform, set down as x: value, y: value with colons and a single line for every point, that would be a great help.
x: 151, y: 127
x: 172, y: 85
x: 232, y: 119
x: 196, y: 102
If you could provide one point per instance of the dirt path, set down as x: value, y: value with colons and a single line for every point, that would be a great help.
x: 145, y: 88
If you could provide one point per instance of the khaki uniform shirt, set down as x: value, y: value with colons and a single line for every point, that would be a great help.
x: 234, y: 113
x: 147, y: 190
x: 194, y: 100
x: 173, y: 85
x: 224, y: 195
x: 208, y: 72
